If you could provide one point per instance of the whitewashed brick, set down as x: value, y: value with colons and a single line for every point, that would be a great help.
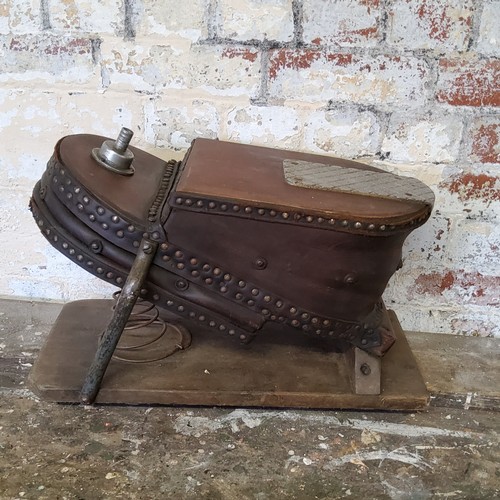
x: 244, y: 20
x: 342, y: 132
x: 164, y: 17
x: 175, y: 123
x: 47, y: 58
x: 312, y: 75
x: 475, y: 246
x: 489, y: 31
x: 272, y: 126
x: 428, y: 246
x: 430, y: 24
x: 20, y: 16
x: 87, y: 15
x: 345, y: 23
x: 211, y: 70
x: 32, y: 122
x: 418, y: 139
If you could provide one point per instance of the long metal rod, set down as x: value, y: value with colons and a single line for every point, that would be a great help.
x: 126, y: 301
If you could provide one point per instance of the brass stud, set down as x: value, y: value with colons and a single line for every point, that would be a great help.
x: 217, y: 271
x: 248, y: 210
x: 309, y: 218
x: 272, y: 213
x: 206, y: 267
x: 193, y: 261
x: 188, y: 202
x: 227, y: 277
x: 345, y: 223
x: 231, y: 332
x: 166, y: 258
x: 241, y: 284
x: 255, y: 291
x: 130, y: 229
x: 358, y: 225
x: 222, y: 328
x: 261, y: 211
x: 236, y: 208
x: 251, y: 302
x: 279, y: 303
x: 293, y: 310
x: 320, y: 219
x: 295, y: 322
x: 199, y: 203
x: 305, y: 316
x: 209, y: 281
x: 371, y: 227
x: 195, y: 273
x: 212, y: 323
x: 238, y: 296
x: 179, y: 254
x: 331, y: 221
x: 178, y: 201
x: 223, y: 207
x: 285, y: 215
x: 382, y: 227
x: 164, y: 246
x: 170, y: 303
x: 243, y: 337
x: 267, y: 298
x: 180, y: 308
x: 265, y: 311
x: 211, y: 205
x: 201, y: 318
x: 180, y: 266
x: 223, y: 289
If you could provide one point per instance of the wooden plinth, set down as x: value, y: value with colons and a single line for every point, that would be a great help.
x: 276, y: 370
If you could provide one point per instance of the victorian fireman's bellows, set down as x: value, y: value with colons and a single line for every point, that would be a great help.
x: 242, y: 235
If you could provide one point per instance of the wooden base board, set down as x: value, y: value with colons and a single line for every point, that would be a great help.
x: 275, y: 370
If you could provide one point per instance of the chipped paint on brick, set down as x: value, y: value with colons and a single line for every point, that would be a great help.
x: 469, y: 83
x: 485, y: 144
x: 471, y: 288
x: 471, y: 186
x: 247, y: 54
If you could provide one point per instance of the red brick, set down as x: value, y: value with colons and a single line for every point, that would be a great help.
x: 461, y: 287
x: 464, y: 82
x: 485, y: 147
x: 473, y: 186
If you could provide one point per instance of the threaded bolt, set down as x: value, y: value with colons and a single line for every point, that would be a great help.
x: 123, y: 140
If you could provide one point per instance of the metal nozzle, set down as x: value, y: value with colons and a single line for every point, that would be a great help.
x: 115, y: 155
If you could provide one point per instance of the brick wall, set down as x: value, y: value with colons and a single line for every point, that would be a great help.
x: 410, y: 85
